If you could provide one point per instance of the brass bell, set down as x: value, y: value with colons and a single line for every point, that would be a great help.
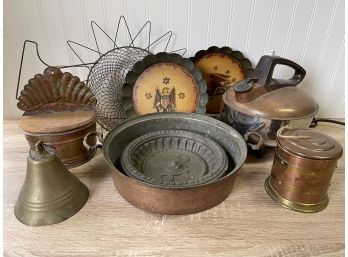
x: 50, y: 193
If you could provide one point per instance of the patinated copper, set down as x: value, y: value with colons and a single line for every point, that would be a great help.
x: 166, y: 200
x: 64, y: 131
x: 55, y: 91
x: 58, y: 111
x: 302, y: 169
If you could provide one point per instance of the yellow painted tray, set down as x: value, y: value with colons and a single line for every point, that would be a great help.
x: 221, y: 69
x: 164, y: 83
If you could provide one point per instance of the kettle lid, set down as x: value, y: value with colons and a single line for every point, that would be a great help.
x: 271, y: 98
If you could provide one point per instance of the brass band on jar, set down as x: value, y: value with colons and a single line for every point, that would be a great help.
x: 302, y: 168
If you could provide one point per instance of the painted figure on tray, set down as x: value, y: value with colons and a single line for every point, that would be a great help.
x: 165, y: 100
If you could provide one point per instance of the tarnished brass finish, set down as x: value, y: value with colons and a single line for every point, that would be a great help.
x: 300, y: 207
x: 64, y: 131
x: 162, y: 199
x: 302, y: 169
x: 50, y: 193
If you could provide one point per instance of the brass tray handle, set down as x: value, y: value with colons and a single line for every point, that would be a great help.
x: 99, y: 143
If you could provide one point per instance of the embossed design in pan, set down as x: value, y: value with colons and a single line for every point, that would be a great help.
x: 174, y: 158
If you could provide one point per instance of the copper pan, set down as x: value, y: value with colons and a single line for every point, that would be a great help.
x: 163, y: 200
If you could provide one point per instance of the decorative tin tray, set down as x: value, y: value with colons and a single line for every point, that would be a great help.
x: 174, y: 158
x: 221, y: 69
x: 164, y: 83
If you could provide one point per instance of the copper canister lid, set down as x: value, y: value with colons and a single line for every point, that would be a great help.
x: 57, y: 121
x: 310, y: 144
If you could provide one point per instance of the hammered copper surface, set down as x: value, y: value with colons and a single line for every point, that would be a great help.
x: 50, y: 193
x: 172, y: 201
x: 302, y: 170
x: 161, y: 199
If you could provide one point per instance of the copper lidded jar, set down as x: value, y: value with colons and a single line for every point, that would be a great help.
x: 58, y: 110
x: 303, y: 165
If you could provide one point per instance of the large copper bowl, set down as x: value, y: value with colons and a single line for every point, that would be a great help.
x: 163, y: 200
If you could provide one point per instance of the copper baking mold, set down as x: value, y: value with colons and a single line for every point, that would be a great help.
x: 55, y: 91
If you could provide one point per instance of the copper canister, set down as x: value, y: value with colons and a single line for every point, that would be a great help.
x: 303, y: 165
x: 63, y: 131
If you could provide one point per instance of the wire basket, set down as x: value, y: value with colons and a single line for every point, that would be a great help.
x: 106, y: 79
x: 107, y: 75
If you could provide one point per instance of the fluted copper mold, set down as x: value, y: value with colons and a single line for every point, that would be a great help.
x: 161, y: 199
x: 55, y: 90
x: 174, y: 158
x: 50, y: 193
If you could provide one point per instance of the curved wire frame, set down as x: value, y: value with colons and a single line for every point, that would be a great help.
x: 73, y: 45
x: 89, y: 65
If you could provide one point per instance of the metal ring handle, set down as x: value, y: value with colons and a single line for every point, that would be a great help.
x: 99, y: 143
x: 258, y: 144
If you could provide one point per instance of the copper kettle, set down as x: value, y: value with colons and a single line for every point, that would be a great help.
x: 259, y: 106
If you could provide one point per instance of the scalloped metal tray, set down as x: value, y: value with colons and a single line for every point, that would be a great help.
x: 164, y: 83
x: 221, y: 68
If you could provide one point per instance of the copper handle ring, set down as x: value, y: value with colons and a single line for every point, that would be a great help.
x: 99, y: 143
x: 258, y: 144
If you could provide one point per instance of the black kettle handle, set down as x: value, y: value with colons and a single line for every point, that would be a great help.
x: 265, y: 67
